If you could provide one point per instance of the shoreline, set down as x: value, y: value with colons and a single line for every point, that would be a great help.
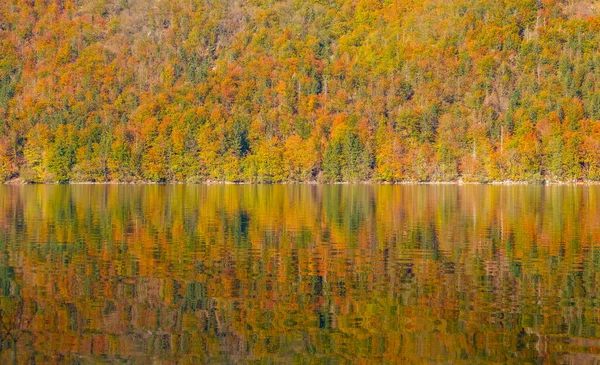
x: 18, y: 182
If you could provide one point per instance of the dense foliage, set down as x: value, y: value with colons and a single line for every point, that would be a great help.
x: 273, y: 91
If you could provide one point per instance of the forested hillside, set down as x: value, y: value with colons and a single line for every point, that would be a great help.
x: 299, y: 90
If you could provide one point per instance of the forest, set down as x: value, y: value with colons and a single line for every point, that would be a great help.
x: 274, y: 91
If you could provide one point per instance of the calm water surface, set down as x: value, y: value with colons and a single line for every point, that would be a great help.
x: 300, y: 274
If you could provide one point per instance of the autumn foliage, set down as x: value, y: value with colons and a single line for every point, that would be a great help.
x: 279, y: 91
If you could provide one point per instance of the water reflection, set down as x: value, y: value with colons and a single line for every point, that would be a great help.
x: 306, y: 274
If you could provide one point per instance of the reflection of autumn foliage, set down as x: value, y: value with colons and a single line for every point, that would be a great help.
x: 286, y: 90
x: 15, y: 320
x: 239, y: 273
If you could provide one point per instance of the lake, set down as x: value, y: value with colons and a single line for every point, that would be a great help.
x: 300, y: 274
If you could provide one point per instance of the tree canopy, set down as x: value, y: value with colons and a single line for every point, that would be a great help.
x: 276, y: 91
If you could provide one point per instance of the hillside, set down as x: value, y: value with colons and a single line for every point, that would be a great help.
x: 275, y: 91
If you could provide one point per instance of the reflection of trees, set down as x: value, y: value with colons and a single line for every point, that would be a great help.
x: 15, y: 319
x: 236, y: 273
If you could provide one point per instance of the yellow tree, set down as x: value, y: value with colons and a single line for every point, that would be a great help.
x: 299, y: 159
